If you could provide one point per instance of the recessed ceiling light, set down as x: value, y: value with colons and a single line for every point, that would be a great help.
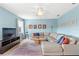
x: 58, y: 15
x: 73, y: 3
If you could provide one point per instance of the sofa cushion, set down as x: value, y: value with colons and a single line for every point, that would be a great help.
x: 54, y: 35
x: 72, y: 40
x: 48, y: 38
x: 70, y: 49
x: 51, y: 47
x: 51, y: 39
x: 77, y: 42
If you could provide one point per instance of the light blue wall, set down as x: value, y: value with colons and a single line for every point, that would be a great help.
x: 7, y: 19
x: 69, y: 23
x: 51, y: 25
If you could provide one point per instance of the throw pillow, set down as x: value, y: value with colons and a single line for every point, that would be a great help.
x: 61, y: 41
x: 66, y: 40
x: 59, y: 37
x: 72, y: 40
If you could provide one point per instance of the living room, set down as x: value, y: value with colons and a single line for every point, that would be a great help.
x: 42, y: 29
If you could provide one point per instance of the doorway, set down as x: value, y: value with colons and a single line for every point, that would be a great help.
x: 21, y: 28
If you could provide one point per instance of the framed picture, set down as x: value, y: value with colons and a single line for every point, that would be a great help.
x: 30, y: 26
x: 44, y: 26
x: 35, y: 26
x: 39, y: 26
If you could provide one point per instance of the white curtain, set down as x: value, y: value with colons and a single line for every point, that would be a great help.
x: 20, y: 27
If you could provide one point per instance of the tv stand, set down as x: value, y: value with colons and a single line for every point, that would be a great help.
x: 7, y: 44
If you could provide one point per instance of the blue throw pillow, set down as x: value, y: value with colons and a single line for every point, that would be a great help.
x: 59, y: 37
x: 61, y: 41
x: 36, y: 34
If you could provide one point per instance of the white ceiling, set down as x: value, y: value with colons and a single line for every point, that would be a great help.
x: 28, y: 10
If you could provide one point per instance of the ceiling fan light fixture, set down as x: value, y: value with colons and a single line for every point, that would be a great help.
x: 40, y: 11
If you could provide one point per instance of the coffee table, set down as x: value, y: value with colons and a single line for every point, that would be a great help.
x: 38, y: 40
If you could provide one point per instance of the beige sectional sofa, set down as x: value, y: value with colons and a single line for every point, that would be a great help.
x: 49, y: 48
x: 52, y: 48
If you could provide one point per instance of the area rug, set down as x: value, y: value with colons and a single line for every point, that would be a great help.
x: 27, y: 49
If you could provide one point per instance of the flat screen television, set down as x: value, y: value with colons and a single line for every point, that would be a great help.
x: 8, y: 33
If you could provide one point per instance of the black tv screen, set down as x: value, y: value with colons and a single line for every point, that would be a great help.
x: 9, y: 33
